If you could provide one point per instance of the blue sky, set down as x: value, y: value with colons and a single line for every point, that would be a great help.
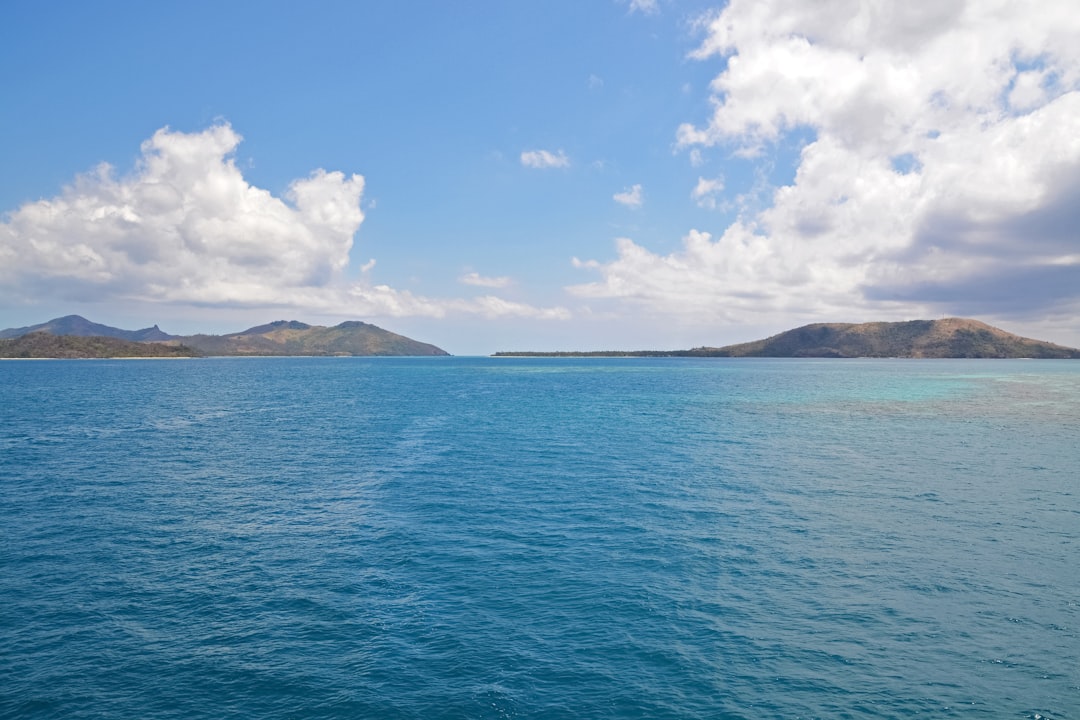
x: 493, y: 176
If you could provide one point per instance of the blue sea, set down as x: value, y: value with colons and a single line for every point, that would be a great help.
x: 539, y: 538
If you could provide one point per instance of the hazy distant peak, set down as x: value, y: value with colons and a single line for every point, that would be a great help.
x: 78, y: 326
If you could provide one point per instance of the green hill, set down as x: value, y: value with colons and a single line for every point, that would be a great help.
x: 283, y: 337
x: 947, y: 338
x: 296, y: 338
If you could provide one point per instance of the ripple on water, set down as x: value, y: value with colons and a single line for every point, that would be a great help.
x: 511, y: 539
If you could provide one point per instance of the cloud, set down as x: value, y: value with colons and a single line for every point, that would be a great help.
x: 632, y: 197
x: 646, y: 7
x: 921, y: 173
x: 492, y: 307
x: 185, y: 227
x: 706, y: 190
x: 544, y: 159
x: 479, y: 280
x: 1029, y: 90
x: 710, y: 279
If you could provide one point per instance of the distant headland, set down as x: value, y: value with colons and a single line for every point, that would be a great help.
x: 73, y: 336
x: 946, y: 338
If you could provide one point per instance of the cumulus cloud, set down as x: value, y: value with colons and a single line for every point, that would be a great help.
x: 544, y: 159
x: 721, y: 279
x: 479, y: 280
x: 631, y: 197
x: 185, y: 227
x: 944, y: 153
x: 706, y: 190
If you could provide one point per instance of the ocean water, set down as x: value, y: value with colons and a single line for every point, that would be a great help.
x: 539, y: 538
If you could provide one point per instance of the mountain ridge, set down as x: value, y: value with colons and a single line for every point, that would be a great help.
x: 945, y: 338
x: 281, y: 337
x: 81, y: 327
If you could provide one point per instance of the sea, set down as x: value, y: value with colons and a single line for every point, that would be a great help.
x: 539, y: 538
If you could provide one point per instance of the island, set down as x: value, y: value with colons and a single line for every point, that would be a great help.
x: 945, y: 338
x: 73, y: 336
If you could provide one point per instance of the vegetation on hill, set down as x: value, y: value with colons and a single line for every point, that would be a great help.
x: 295, y: 338
x: 47, y: 345
x: 283, y: 337
x: 948, y: 338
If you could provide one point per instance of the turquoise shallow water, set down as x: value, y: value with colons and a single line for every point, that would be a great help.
x: 530, y: 538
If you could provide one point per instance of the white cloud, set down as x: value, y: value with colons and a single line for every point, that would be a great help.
x: 479, y: 280
x: 632, y: 197
x: 646, y: 7
x: 492, y: 307
x: 186, y: 228
x: 929, y: 183
x: 544, y: 159
x: 1028, y: 90
x: 712, y: 280
x: 706, y: 190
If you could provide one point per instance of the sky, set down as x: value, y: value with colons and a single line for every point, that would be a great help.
x: 486, y: 176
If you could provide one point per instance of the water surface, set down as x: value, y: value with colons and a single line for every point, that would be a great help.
x: 539, y: 538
